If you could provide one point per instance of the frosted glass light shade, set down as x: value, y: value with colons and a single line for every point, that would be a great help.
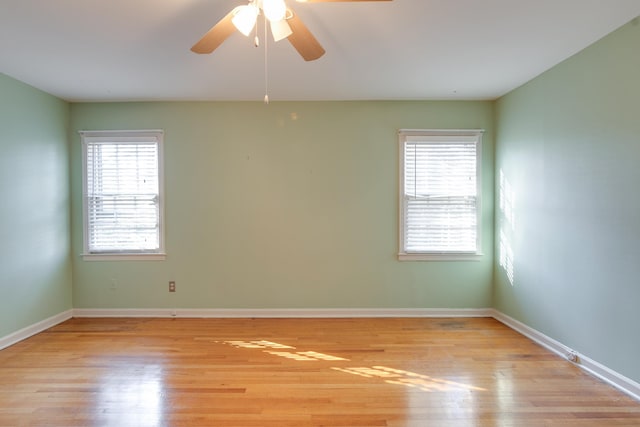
x: 244, y: 18
x: 274, y: 10
x: 280, y: 29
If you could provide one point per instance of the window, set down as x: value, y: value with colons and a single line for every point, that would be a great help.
x: 122, y: 194
x: 439, y: 194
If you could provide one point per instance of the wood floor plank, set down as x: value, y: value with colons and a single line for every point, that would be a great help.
x: 298, y: 372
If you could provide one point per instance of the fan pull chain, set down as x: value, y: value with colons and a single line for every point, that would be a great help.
x: 266, y: 68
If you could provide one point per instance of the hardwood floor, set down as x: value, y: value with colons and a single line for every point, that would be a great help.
x: 297, y: 372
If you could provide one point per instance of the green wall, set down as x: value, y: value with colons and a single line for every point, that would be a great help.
x: 287, y: 205
x: 34, y: 213
x: 568, y: 142
x: 294, y: 205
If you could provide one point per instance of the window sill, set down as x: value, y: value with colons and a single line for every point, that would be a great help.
x: 439, y: 256
x: 124, y: 257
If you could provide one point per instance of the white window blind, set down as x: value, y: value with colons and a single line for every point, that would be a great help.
x: 440, y: 197
x: 122, y: 192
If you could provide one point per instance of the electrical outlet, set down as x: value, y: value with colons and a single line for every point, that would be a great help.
x: 172, y: 286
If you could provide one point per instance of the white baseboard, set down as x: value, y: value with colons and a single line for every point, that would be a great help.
x: 596, y: 369
x: 284, y: 313
x: 538, y: 337
x: 36, y: 328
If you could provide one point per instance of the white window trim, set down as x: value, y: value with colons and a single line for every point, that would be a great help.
x: 403, y: 135
x: 111, y: 135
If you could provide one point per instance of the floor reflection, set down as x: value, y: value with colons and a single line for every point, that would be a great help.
x: 389, y: 375
x: 308, y: 356
x: 409, y: 379
x: 506, y: 396
x: 132, y: 397
x: 262, y: 344
x: 267, y: 346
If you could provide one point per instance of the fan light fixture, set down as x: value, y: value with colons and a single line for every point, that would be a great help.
x: 274, y: 10
x: 283, y: 21
x: 245, y: 17
x: 280, y: 30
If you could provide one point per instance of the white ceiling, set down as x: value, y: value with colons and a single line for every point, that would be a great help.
x: 108, y: 50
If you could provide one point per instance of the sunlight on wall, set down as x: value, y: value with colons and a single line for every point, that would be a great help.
x: 507, y: 227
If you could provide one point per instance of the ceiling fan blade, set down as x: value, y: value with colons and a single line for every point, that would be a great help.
x: 215, y: 36
x: 302, y: 39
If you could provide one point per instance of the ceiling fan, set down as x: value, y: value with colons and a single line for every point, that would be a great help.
x: 283, y: 21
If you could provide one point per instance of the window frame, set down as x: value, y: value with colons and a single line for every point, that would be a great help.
x: 131, y: 136
x: 405, y: 135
